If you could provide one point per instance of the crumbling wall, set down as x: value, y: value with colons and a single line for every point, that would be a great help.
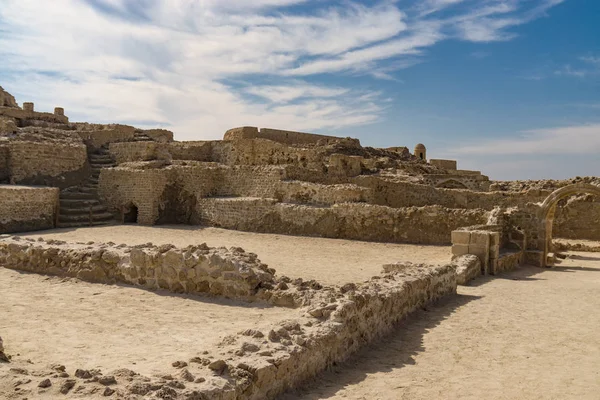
x: 97, y: 136
x: 394, y: 193
x: 135, y: 151
x: 314, y: 193
x: 194, y: 269
x: 7, y: 99
x: 277, y: 135
x: 427, y: 225
x: 159, y: 135
x: 58, y: 164
x: 168, y: 194
x: 578, y: 218
x: 27, y: 115
x: 27, y: 208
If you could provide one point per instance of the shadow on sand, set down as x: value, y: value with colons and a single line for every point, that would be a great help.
x: 391, y: 352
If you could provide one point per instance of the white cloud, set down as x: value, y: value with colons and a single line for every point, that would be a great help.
x: 176, y: 62
x: 579, y: 139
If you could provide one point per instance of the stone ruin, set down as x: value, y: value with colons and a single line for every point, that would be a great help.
x: 60, y: 174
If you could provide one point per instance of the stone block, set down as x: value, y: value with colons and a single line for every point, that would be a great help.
x: 461, y: 237
x: 494, y: 238
x: 480, y: 239
x: 493, y: 266
x: 495, y: 251
x: 460, y: 249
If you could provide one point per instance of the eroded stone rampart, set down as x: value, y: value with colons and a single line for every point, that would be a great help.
x: 27, y: 208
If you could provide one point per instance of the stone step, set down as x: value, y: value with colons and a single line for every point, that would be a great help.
x: 101, y: 166
x: 75, y: 203
x: 83, y: 210
x: 78, y: 195
x: 96, y: 217
x: 81, y: 224
x: 101, y: 162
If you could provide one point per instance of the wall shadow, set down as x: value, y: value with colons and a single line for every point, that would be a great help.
x: 391, y: 352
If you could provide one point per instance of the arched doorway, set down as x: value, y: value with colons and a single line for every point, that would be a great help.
x: 548, y: 210
x: 130, y: 214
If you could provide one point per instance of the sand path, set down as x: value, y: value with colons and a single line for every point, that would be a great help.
x: 530, y: 334
x: 83, y: 325
x: 331, y: 261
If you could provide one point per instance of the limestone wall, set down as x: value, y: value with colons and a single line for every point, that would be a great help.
x: 444, y: 164
x: 427, y: 225
x: 47, y: 163
x: 135, y: 151
x: 578, y: 218
x: 24, y: 115
x: 159, y: 135
x: 27, y: 208
x: 395, y: 193
x: 195, y: 269
x: 177, y: 189
x: 96, y: 138
x: 314, y: 193
x: 276, y: 135
x: 119, y: 188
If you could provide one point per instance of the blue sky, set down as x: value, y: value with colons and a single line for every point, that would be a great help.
x: 509, y: 87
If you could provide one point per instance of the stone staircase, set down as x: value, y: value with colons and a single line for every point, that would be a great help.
x: 80, y: 205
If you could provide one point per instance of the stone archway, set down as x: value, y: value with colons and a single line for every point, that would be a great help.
x: 451, y: 184
x: 548, y: 209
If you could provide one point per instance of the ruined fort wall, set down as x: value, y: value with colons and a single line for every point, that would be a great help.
x: 178, y: 188
x: 276, y: 135
x: 406, y: 194
x: 97, y: 138
x: 578, y: 219
x: 315, y: 193
x: 135, y: 151
x: 120, y: 188
x: 47, y: 163
x: 27, y: 208
x: 30, y: 115
x: 427, y: 225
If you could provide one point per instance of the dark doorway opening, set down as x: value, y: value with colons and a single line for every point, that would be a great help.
x: 130, y: 215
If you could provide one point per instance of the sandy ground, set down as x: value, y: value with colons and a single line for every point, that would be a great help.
x: 330, y: 261
x: 529, y: 334
x: 82, y: 325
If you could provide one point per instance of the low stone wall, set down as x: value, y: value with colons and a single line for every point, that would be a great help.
x: 195, y: 269
x: 427, y: 225
x: 27, y: 208
x: 337, y: 321
x: 468, y: 267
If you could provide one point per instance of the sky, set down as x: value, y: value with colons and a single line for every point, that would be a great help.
x: 508, y: 87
